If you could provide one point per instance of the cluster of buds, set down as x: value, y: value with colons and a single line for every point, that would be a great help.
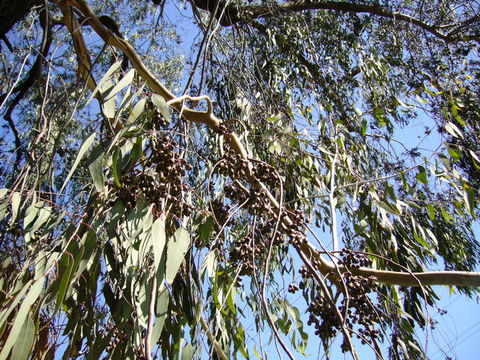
x: 353, y: 260
x: 161, y: 182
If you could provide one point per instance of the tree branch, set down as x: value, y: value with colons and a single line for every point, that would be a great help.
x: 327, y: 268
x: 33, y: 75
x: 233, y: 14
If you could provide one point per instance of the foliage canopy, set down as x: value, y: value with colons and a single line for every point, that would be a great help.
x: 156, y: 198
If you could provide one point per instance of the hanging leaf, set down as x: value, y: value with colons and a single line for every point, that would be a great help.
x: 158, y: 240
x: 23, y: 345
x: 161, y: 311
x: 422, y: 175
x: 162, y: 107
x: 44, y: 215
x: 3, y: 192
x: 105, y: 77
x: 125, y: 81
x: 31, y: 214
x: 83, y: 149
x: 187, y: 352
x: 135, y: 155
x: 177, y: 247
x: 469, y: 195
x: 453, y: 130
x: 137, y: 110
x: 109, y: 108
x: 431, y: 212
x: 115, y: 171
x: 95, y: 165
x: 22, y: 314
x: 62, y: 284
x: 16, y: 198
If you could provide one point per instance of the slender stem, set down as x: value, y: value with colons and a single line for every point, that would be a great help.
x: 211, y: 338
x: 333, y: 202
x: 151, y: 317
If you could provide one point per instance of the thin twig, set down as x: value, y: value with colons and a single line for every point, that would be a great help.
x: 265, y: 275
x: 151, y: 317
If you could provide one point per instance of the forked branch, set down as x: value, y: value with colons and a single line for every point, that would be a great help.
x: 327, y: 268
x: 231, y: 14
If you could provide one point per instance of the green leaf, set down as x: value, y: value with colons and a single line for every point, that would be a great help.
x: 3, y: 209
x: 105, y: 77
x: 158, y: 240
x: 116, y: 175
x: 83, y: 149
x: 16, y: 198
x: 95, y: 164
x: 469, y: 194
x: 22, y: 314
x: 125, y: 81
x: 136, y: 153
x: 31, y: 214
x: 88, y: 245
x: 422, y: 175
x: 209, y: 264
x: 256, y: 353
x: 387, y: 207
x: 187, y: 352
x: 100, y: 344
x: 205, y: 229
x: 109, y: 108
x: 25, y: 340
x: 5, y: 313
x: 177, y: 247
x: 453, y: 152
x: 137, y: 110
x: 364, y: 127
x: 453, y: 130
x: 66, y: 267
x: 476, y: 160
x: 162, y: 107
x: 446, y: 216
x: 43, y: 215
x: 431, y: 212
x: 274, y: 118
x: 161, y: 311
x: 3, y: 192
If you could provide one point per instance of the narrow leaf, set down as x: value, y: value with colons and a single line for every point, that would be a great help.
x: 453, y: 130
x: 422, y: 175
x: 158, y: 240
x: 116, y: 175
x: 3, y: 192
x: 95, y: 164
x: 137, y: 110
x: 15, y: 207
x: 83, y: 149
x: 431, y: 212
x: 23, y: 312
x: 161, y: 312
x: 67, y: 267
x: 105, y: 77
x: 177, y: 247
x: 161, y: 105
x: 136, y: 153
x: 24, y: 343
x: 187, y: 352
x: 126, y: 80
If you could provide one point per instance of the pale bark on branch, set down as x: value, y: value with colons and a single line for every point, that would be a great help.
x: 327, y: 268
x: 232, y: 14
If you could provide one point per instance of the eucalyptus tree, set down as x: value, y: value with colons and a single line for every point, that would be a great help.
x: 155, y: 200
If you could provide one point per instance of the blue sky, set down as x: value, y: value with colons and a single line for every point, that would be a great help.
x: 457, y: 333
